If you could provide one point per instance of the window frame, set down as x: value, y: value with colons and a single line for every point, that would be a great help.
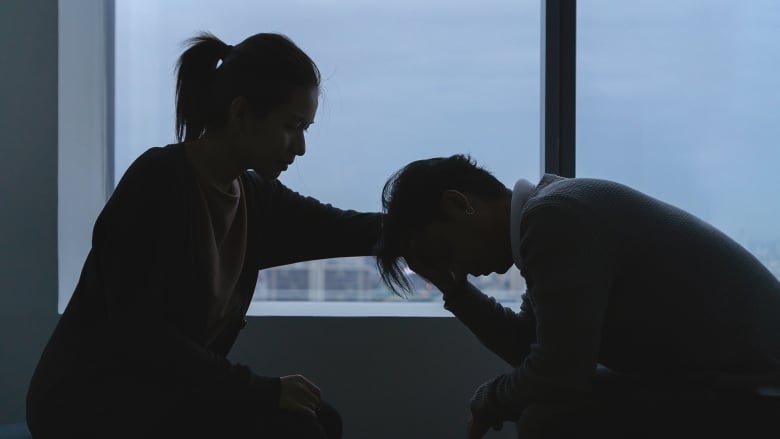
x: 84, y: 148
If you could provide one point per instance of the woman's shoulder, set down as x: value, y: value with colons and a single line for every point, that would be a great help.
x: 155, y: 162
x: 158, y: 157
x: 154, y: 172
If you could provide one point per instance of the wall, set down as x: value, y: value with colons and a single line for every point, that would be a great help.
x: 389, y: 377
x: 28, y: 193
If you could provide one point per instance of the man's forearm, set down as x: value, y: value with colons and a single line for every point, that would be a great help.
x: 499, y: 328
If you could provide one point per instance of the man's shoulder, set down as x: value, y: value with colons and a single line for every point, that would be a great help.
x: 562, y: 192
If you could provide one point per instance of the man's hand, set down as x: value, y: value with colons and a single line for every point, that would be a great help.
x: 419, y: 259
x: 483, y: 413
x: 299, y: 395
x: 476, y: 429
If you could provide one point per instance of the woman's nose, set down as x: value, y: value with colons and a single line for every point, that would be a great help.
x: 299, y: 146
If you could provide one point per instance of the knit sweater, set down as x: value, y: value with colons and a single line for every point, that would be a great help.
x: 618, y: 278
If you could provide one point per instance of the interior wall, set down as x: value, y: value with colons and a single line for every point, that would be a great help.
x: 28, y: 193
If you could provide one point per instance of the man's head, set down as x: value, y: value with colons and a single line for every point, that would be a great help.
x: 445, y: 211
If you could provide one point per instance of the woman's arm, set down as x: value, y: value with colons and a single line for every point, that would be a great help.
x: 296, y: 228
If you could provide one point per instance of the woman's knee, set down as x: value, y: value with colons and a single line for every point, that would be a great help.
x: 293, y: 425
x: 330, y: 419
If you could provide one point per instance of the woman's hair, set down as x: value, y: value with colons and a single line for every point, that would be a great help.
x: 266, y: 69
x: 411, y: 200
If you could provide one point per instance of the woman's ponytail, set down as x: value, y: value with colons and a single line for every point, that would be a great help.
x: 196, y: 73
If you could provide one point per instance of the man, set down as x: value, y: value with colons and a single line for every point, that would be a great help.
x: 639, y: 319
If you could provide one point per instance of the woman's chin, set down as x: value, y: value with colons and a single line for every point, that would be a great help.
x: 506, y: 268
x: 268, y: 174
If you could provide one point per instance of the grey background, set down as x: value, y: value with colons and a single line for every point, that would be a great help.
x: 28, y: 193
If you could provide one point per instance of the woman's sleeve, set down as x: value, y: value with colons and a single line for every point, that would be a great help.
x: 297, y: 228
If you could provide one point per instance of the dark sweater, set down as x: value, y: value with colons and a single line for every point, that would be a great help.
x: 621, y: 279
x: 139, y: 311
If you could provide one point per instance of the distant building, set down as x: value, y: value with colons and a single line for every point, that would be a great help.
x: 357, y: 279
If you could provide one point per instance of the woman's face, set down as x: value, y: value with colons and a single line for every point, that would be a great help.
x: 269, y: 144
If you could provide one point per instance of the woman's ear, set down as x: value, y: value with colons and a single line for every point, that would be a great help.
x: 238, y: 114
x: 456, y: 204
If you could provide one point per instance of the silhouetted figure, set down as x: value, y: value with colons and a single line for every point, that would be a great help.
x: 140, y: 349
x: 639, y: 320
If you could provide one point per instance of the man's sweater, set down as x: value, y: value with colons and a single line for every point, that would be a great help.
x: 618, y: 278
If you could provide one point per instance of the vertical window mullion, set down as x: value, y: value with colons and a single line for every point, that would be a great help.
x: 559, y: 44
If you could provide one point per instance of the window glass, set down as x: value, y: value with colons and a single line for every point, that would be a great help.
x: 680, y: 100
x: 402, y: 80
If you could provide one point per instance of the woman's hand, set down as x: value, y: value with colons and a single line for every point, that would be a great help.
x: 299, y: 395
x: 476, y: 429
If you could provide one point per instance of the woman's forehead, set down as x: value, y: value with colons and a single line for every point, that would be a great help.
x: 304, y: 103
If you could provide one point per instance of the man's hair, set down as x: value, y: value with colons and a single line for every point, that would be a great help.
x: 411, y: 200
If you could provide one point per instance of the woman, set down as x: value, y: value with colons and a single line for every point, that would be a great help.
x: 140, y: 350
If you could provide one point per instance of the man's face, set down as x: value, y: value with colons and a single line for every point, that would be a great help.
x: 467, y: 245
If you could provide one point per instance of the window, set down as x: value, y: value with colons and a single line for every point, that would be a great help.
x: 402, y: 81
x: 679, y: 99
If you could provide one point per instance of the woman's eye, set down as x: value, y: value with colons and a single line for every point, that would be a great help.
x: 295, y: 126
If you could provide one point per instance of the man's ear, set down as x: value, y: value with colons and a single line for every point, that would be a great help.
x: 456, y: 204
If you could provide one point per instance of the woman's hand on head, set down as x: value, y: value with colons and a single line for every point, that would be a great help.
x: 299, y: 395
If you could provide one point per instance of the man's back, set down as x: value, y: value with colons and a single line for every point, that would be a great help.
x: 682, y: 297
